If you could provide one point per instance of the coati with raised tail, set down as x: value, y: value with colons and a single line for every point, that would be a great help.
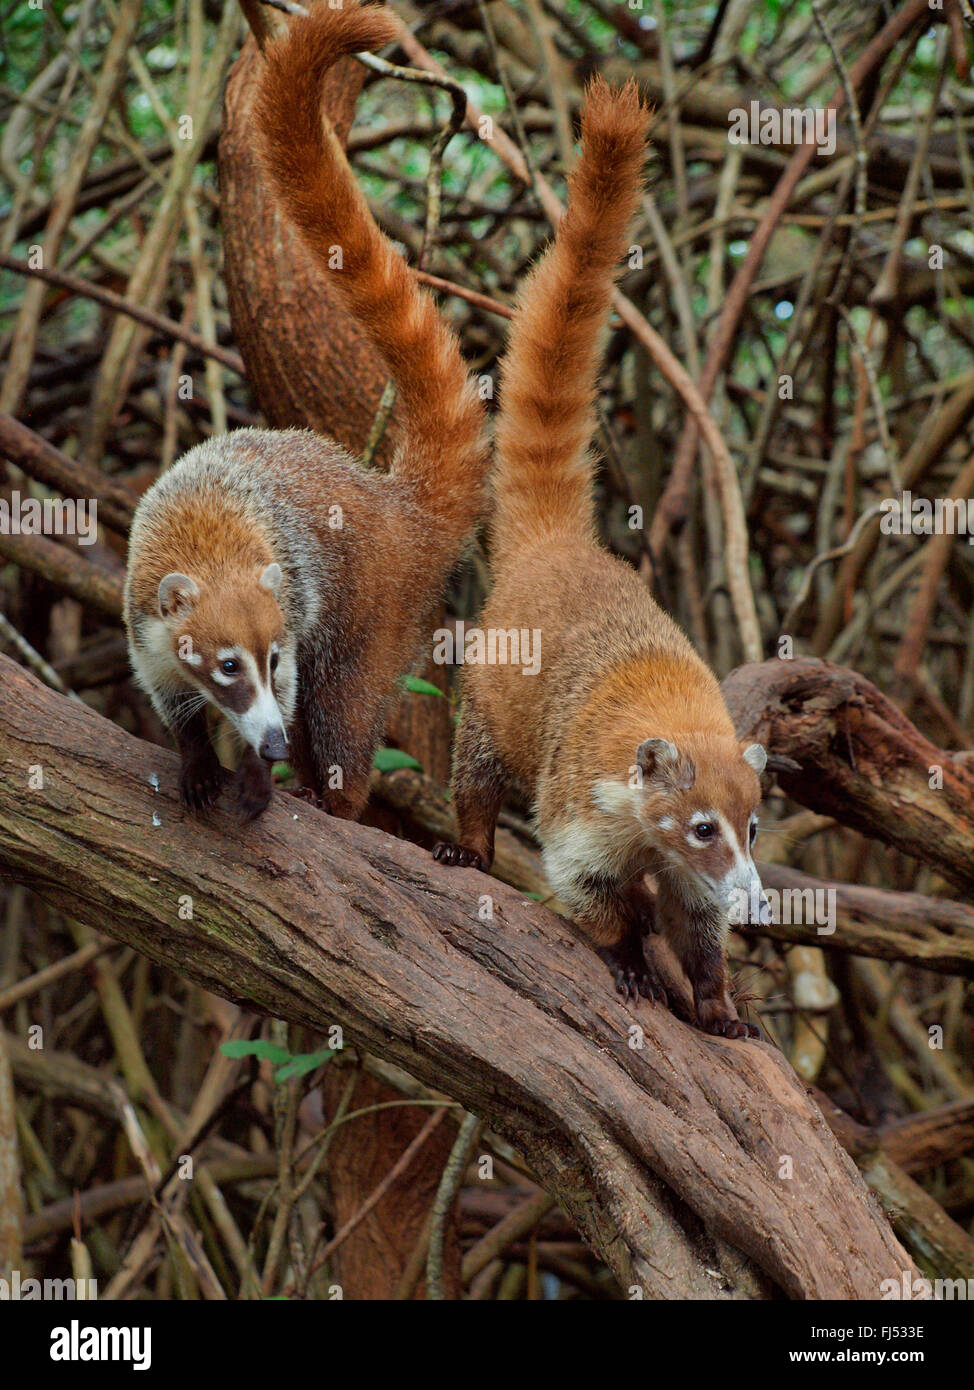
x: 622, y: 738
x: 269, y: 574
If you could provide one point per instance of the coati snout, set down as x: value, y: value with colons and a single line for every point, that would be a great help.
x: 229, y: 637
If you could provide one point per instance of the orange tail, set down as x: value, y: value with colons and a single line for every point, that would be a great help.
x: 442, y: 455
x: 549, y: 375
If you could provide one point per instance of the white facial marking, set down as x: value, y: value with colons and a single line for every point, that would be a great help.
x: 156, y: 667
x: 698, y: 818
x: 264, y: 715
x: 226, y: 654
x: 743, y: 876
x: 667, y: 823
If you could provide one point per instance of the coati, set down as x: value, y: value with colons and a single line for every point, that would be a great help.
x: 271, y: 576
x: 622, y: 738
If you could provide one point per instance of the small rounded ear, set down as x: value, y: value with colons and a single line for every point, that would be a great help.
x: 654, y: 752
x: 177, y: 594
x: 658, y: 757
x: 271, y: 578
x: 756, y: 757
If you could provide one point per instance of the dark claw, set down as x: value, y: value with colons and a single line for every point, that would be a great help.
x: 200, y: 782
x: 732, y: 1028
x: 632, y: 976
x: 310, y: 796
x: 650, y: 988
x: 626, y: 984
x: 456, y: 856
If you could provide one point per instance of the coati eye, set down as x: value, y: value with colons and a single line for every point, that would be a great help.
x: 705, y: 830
x: 754, y: 831
x: 230, y: 667
x: 275, y: 658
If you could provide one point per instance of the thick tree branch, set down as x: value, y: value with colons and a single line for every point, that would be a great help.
x: 934, y: 933
x: 41, y: 460
x: 663, y: 1145
x: 859, y: 759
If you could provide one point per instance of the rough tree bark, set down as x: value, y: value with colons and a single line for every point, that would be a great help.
x: 859, y: 759
x: 371, y: 1261
x: 667, y: 1148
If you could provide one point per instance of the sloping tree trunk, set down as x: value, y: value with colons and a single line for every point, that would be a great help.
x: 676, y: 1154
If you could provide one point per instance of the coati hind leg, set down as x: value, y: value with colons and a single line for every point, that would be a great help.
x: 480, y: 783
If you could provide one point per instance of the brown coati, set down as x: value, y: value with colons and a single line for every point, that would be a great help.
x: 622, y: 737
x: 269, y: 574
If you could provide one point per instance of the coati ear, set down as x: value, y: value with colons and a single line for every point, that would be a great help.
x: 756, y: 757
x: 657, y: 757
x: 271, y: 579
x: 177, y: 594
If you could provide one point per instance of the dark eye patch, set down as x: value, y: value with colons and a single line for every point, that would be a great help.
x: 236, y: 697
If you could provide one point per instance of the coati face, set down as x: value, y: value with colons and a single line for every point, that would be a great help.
x: 698, y: 805
x: 230, y: 641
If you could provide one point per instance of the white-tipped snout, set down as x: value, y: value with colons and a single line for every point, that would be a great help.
x: 744, y: 897
x: 738, y: 891
x: 262, y: 726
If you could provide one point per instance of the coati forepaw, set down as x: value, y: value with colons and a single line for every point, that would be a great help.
x: 731, y: 1028
x: 252, y: 789
x: 456, y: 856
x: 200, y: 782
x: 633, y: 978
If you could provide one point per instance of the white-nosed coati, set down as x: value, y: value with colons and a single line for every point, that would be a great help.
x: 269, y: 574
x: 622, y: 738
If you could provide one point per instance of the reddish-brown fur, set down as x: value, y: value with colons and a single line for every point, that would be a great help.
x: 352, y: 600
x: 615, y: 670
x: 441, y: 418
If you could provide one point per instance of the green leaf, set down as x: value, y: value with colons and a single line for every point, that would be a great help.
x: 421, y: 687
x: 259, y: 1047
x: 389, y: 759
x: 303, y: 1062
